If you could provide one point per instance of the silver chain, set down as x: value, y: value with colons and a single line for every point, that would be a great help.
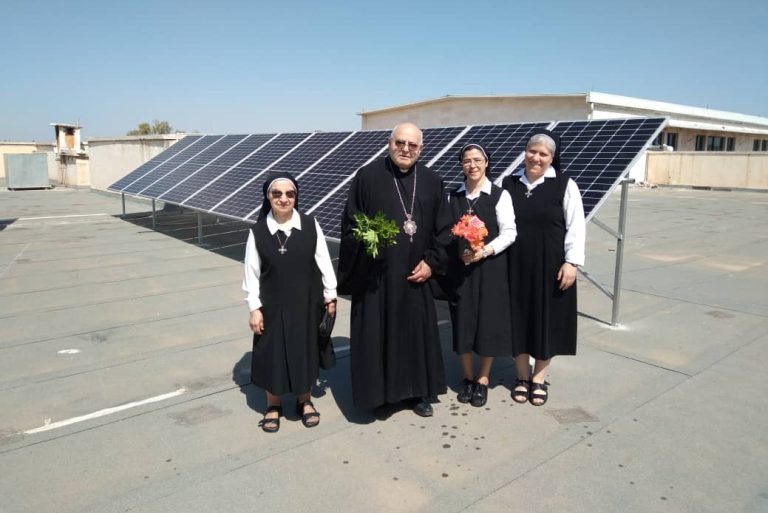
x: 413, y: 197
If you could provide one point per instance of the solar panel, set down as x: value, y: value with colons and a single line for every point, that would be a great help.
x: 505, y: 143
x: 183, y: 171
x: 435, y: 139
x: 155, y: 161
x: 269, y: 147
x: 213, y: 170
x: 322, y: 181
x: 597, y: 154
x: 171, y: 164
x: 247, y: 197
x: 225, y: 174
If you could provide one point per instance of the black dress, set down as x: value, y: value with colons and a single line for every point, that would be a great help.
x: 394, y: 339
x: 285, y: 356
x: 479, y: 298
x: 543, y: 316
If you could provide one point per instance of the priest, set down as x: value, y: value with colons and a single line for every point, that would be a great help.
x: 395, y: 345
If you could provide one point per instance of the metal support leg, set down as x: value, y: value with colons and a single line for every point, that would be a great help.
x: 154, y: 216
x: 619, y: 253
x: 199, y: 228
x: 122, y: 195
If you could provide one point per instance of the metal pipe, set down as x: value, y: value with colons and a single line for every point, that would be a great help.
x: 154, y: 217
x: 122, y: 195
x: 620, y: 252
x: 199, y: 228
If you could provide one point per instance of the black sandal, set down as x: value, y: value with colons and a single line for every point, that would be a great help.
x: 270, y: 425
x: 521, y: 396
x: 541, y: 397
x: 306, y: 418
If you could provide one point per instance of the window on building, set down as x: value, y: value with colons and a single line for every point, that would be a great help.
x: 672, y: 139
x: 756, y: 145
x: 715, y: 143
x: 764, y: 146
x: 700, y: 143
x: 730, y: 144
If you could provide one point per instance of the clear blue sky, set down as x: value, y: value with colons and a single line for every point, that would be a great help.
x: 226, y: 66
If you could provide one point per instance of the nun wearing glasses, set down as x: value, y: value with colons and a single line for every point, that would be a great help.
x: 479, y: 298
x: 289, y: 280
x: 542, y: 264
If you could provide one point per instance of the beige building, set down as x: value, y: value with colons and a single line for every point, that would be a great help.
x: 734, y: 139
x: 689, y: 128
x: 111, y: 158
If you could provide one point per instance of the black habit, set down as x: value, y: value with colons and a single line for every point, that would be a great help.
x: 543, y: 316
x: 479, y: 301
x: 285, y: 356
x: 395, y: 345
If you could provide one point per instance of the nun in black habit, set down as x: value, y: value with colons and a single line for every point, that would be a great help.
x: 289, y: 280
x: 542, y: 264
x: 479, y: 299
x: 395, y: 345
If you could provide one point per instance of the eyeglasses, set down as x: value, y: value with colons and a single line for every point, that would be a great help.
x: 468, y: 162
x: 406, y: 145
x: 279, y: 194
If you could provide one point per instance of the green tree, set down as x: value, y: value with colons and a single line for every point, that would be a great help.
x: 156, y: 128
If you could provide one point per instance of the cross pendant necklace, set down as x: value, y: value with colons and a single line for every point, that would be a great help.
x: 409, y: 225
x: 282, y: 249
x: 528, y: 194
x: 471, y: 204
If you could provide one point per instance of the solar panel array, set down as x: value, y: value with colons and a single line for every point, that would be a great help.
x: 224, y: 174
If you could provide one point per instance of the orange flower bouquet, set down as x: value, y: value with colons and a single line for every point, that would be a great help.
x: 472, y: 229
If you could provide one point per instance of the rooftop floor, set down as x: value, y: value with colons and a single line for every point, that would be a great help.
x: 129, y: 348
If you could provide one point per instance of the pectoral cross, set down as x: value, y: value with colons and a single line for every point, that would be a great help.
x: 282, y: 251
x: 528, y: 194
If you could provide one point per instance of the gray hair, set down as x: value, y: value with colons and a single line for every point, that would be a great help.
x: 542, y: 139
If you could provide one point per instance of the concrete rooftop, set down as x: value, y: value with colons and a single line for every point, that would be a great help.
x: 666, y: 413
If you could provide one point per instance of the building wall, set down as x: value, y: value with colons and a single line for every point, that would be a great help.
x: 112, y: 159
x: 738, y: 170
x: 20, y: 147
x: 472, y: 111
x: 687, y: 138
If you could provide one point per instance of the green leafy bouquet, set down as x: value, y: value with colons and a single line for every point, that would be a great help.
x: 377, y: 232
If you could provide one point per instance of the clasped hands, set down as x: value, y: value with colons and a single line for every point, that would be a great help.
x: 256, y: 320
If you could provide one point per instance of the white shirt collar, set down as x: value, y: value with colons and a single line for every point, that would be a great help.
x: 549, y: 173
x: 486, y: 187
x: 293, y: 222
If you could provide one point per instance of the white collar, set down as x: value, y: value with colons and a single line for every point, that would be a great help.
x: 549, y: 173
x: 293, y: 222
x: 486, y: 187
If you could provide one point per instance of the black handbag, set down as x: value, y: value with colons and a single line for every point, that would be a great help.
x: 325, y: 344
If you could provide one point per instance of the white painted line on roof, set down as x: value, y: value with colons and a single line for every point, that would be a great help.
x: 68, y: 351
x: 5, y: 269
x: 58, y: 217
x: 101, y: 413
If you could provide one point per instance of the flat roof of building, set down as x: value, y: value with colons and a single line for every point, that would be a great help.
x: 125, y: 378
